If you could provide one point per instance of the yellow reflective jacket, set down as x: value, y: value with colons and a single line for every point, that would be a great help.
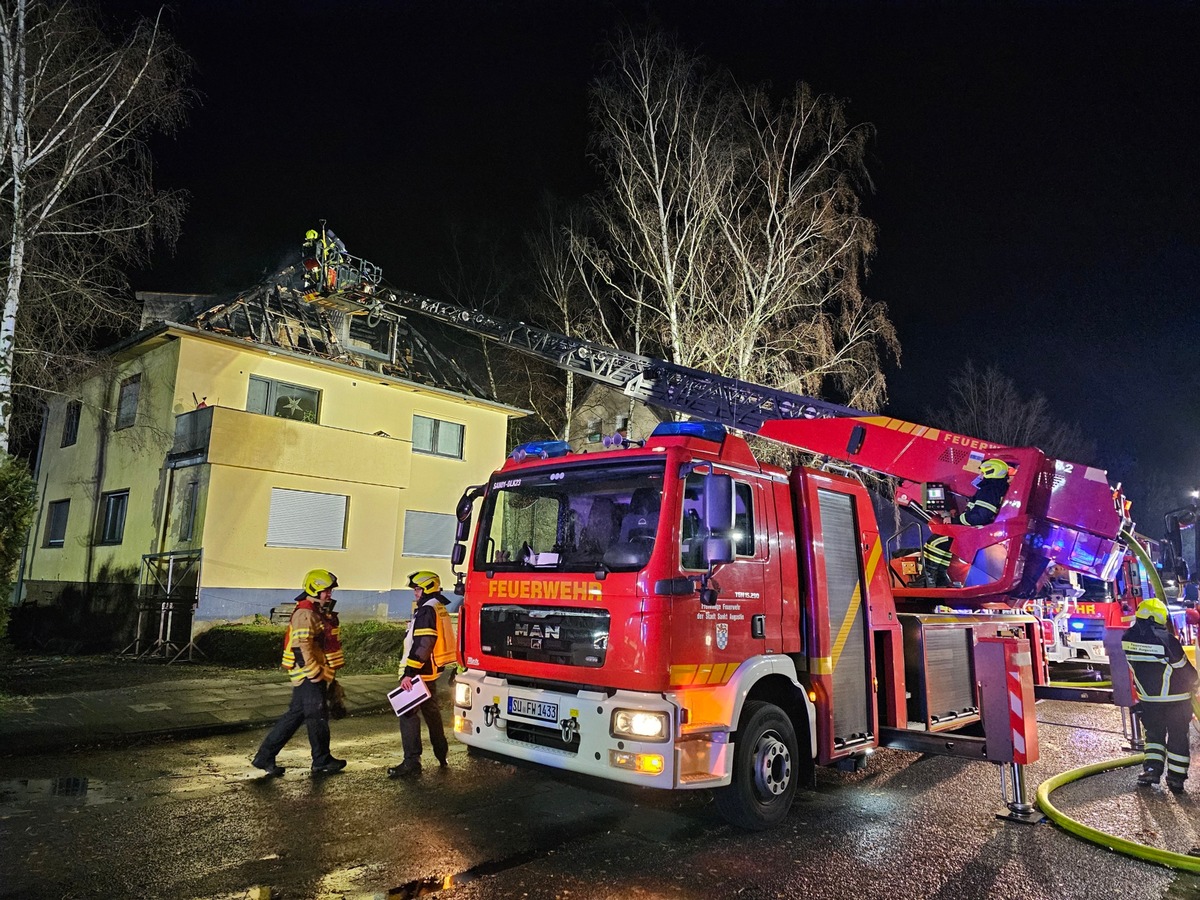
x: 303, y: 650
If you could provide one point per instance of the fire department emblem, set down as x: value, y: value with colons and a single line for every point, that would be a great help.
x: 722, y: 635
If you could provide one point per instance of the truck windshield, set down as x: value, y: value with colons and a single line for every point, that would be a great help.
x: 572, y: 519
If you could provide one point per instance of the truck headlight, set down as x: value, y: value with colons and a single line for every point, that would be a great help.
x: 640, y: 725
x: 462, y: 695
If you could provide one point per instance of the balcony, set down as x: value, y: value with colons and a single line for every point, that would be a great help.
x: 232, y: 437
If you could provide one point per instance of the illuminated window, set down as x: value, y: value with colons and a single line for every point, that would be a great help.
x: 437, y: 437
x: 269, y: 397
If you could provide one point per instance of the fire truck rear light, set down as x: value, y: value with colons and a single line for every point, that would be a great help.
x: 812, y: 695
x: 645, y: 763
x: 462, y: 695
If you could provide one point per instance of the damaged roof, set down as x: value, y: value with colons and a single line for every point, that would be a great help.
x: 274, y: 315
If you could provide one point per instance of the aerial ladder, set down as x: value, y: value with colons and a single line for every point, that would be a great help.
x: 1055, y: 512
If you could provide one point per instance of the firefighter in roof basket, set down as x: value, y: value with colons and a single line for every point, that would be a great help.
x: 981, y: 510
x: 428, y: 646
x: 1165, y: 683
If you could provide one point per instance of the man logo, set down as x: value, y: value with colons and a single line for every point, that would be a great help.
x: 722, y: 635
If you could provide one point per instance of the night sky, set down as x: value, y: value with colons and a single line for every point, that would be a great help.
x: 1034, y: 166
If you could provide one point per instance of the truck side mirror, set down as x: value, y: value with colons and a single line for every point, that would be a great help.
x: 718, y: 550
x: 718, y: 503
x: 458, y: 553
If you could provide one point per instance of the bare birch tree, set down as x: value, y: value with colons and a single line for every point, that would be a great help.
x: 76, y: 192
x: 728, y: 231
x: 988, y: 404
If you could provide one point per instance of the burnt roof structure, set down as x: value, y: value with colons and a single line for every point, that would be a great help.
x: 276, y: 315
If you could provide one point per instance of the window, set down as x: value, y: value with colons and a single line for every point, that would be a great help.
x: 56, y: 522
x: 287, y: 401
x: 428, y: 534
x: 307, y: 519
x: 113, y: 506
x: 128, y: 402
x: 692, y: 534
x: 187, y: 514
x: 71, y: 423
x: 437, y: 437
x: 743, y: 519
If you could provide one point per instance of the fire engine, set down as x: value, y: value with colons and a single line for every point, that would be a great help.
x: 678, y: 614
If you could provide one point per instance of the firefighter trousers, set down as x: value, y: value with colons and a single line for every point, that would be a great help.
x: 310, y: 707
x: 1167, y: 741
x: 410, y: 728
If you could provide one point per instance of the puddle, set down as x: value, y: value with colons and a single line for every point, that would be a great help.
x: 71, y: 790
x: 425, y: 886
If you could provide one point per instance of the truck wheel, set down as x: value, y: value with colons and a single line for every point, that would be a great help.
x: 765, y: 764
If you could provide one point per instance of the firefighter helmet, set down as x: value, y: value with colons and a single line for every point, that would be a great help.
x: 427, y: 581
x: 1153, y: 609
x: 311, y: 235
x: 994, y: 468
x: 319, y: 580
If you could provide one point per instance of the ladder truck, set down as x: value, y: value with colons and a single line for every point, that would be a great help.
x: 677, y: 614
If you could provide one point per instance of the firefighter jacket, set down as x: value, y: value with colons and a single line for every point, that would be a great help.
x: 983, y: 507
x: 332, y: 637
x: 1161, y: 671
x: 428, y: 634
x: 303, y: 645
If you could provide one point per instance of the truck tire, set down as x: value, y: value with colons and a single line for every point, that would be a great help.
x: 765, y: 769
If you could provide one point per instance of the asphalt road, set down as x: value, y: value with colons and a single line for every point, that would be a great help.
x: 189, y: 819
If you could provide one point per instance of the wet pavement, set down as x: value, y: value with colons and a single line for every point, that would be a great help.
x: 186, y: 817
x: 59, y: 702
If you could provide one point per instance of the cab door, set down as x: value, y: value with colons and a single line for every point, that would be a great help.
x: 710, y: 642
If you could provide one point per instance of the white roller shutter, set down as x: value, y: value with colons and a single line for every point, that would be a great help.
x: 307, y: 519
x: 428, y: 534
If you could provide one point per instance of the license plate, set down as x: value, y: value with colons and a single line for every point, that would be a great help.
x: 533, y: 709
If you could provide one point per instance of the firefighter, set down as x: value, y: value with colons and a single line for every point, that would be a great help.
x: 1165, y: 681
x: 981, y: 510
x: 428, y: 646
x: 308, y: 667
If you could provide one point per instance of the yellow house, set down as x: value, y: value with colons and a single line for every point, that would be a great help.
x: 228, y: 448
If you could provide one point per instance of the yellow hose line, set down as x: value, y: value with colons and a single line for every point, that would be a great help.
x: 1080, y: 684
x: 1167, y: 858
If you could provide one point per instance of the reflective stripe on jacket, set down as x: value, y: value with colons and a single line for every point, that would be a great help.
x: 1161, y: 671
x: 984, y: 506
x: 303, y: 653
x: 422, y: 635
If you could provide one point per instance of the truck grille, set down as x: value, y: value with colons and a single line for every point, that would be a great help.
x: 565, y: 637
x: 541, y: 737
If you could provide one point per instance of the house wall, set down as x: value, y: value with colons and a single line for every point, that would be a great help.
x: 84, y: 588
x: 361, y: 448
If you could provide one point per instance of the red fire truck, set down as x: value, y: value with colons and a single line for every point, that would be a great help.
x: 677, y: 614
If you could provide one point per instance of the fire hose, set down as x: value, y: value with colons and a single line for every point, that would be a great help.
x: 1182, y: 861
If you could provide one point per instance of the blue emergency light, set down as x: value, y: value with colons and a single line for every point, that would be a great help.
x: 709, y: 431
x: 542, y: 449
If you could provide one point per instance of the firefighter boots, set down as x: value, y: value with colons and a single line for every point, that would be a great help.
x: 410, y: 768
x: 1175, y: 784
x: 272, y: 769
x: 1148, y: 779
x: 330, y: 768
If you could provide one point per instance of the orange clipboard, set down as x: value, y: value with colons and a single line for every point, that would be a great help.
x: 403, y: 701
